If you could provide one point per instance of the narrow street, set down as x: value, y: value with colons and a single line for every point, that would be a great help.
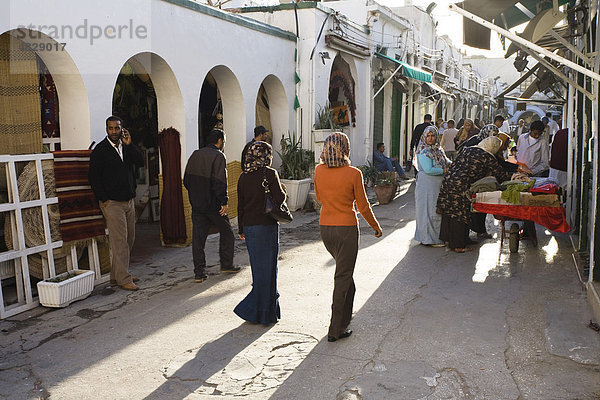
x: 428, y: 324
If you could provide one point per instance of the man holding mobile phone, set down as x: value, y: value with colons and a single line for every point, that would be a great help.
x: 113, y: 181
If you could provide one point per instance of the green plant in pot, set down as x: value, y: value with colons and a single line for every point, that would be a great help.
x: 370, y: 174
x: 324, y: 118
x: 296, y: 163
x: 385, y: 186
x: 296, y: 167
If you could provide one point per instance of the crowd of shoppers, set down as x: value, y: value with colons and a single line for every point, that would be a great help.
x: 449, y: 160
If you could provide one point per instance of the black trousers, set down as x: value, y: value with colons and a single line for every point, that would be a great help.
x: 202, y: 223
x: 342, y: 243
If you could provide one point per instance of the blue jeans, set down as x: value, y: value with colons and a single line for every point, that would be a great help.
x: 391, y: 165
x: 261, y: 305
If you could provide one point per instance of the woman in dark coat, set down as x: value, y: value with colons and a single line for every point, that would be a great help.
x: 467, y: 131
x: 454, y: 201
x: 261, y: 233
x: 477, y: 224
x: 485, y: 132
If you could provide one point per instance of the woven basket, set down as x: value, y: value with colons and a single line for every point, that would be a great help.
x: 33, y: 224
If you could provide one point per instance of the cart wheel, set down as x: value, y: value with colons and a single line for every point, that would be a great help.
x: 513, y: 243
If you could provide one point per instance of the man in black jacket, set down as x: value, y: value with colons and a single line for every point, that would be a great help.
x: 260, y: 135
x: 205, y: 178
x: 112, y: 179
x: 418, y: 132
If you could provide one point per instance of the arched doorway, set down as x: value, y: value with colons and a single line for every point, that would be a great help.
x: 35, y: 72
x: 342, y: 93
x: 221, y: 105
x: 147, y: 97
x: 43, y: 78
x: 342, y: 100
x: 272, y: 112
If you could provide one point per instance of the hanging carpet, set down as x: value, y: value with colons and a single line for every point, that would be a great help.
x: 49, y: 104
x: 80, y: 215
x: 172, y: 217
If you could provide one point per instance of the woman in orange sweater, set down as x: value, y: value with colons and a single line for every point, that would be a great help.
x: 338, y: 186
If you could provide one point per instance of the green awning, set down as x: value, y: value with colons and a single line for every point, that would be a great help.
x: 409, y: 71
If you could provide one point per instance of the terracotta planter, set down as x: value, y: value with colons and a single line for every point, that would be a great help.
x: 61, y: 294
x: 385, y: 193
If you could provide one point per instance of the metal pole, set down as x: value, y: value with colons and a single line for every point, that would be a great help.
x: 525, y: 42
x: 386, y: 82
x: 570, y: 125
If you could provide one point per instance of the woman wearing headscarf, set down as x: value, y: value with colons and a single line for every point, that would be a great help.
x: 454, y: 201
x: 338, y: 186
x: 433, y: 163
x: 465, y: 132
x: 261, y: 233
x: 485, y: 132
x: 478, y: 219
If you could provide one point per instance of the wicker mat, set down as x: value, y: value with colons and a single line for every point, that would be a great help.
x: 20, y: 109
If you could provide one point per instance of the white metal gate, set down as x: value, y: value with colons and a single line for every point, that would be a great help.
x: 16, y: 259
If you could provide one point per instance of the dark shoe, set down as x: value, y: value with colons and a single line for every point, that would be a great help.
x: 484, y: 235
x: 129, y: 286
x: 231, y: 270
x: 200, y: 277
x: 343, y: 335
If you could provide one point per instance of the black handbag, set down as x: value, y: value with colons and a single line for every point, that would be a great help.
x: 281, y: 212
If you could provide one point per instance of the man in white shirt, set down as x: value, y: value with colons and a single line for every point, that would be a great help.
x: 552, y: 124
x: 447, y: 141
x: 519, y: 129
x: 533, y: 151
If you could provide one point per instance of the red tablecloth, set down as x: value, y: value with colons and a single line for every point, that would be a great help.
x: 552, y: 218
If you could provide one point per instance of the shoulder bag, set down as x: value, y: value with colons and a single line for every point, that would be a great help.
x: 279, y: 212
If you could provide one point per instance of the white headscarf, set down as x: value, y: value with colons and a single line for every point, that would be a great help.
x: 491, y: 144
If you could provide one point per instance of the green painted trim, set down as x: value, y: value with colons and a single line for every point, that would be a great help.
x: 279, y: 7
x: 234, y: 18
x: 408, y: 70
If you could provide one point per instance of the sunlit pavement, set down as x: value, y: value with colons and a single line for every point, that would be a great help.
x: 428, y: 324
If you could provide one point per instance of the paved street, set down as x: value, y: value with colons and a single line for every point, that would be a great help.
x: 428, y: 324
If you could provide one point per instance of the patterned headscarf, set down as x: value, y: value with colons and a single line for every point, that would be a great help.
x: 434, y: 151
x: 487, y: 131
x: 463, y: 134
x: 491, y: 144
x: 259, y: 155
x: 336, y: 150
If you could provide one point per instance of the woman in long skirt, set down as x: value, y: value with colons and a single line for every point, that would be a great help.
x: 261, y: 233
x: 433, y: 163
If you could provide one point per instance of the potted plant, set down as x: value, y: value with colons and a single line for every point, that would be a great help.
x: 296, y: 166
x: 370, y: 174
x: 66, y: 288
x: 324, y: 124
x: 385, y: 186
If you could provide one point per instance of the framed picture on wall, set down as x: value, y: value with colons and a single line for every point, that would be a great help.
x: 155, y: 209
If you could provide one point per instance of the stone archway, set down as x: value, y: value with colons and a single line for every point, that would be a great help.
x: 221, y: 105
x: 158, y: 104
x: 74, y: 116
x: 342, y: 91
x: 221, y: 91
x: 273, y: 112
